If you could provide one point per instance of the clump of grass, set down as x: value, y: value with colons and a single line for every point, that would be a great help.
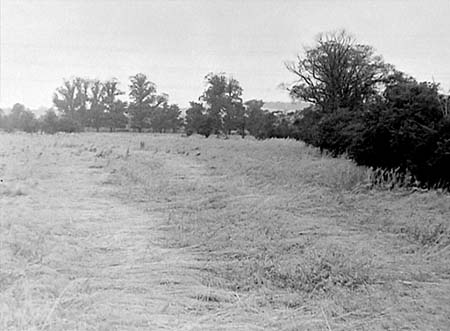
x: 343, y: 175
x: 391, y: 178
x: 320, y: 270
x: 428, y: 234
x: 312, y: 271
x: 12, y: 191
x: 104, y: 153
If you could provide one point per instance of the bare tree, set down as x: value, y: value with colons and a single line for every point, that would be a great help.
x: 337, y: 73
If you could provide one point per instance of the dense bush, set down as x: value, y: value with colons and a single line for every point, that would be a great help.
x: 67, y: 124
x: 306, y: 126
x: 337, y: 131
x: 49, y: 122
x: 405, y: 129
x: 261, y: 123
x: 439, y: 162
x: 403, y: 132
x: 20, y: 119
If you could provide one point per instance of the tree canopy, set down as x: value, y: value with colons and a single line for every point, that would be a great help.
x: 143, y: 101
x: 337, y: 72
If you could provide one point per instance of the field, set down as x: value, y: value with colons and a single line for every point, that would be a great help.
x: 162, y: 232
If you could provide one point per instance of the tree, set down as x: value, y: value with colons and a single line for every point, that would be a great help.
x: 223, y: 103
x: 96, y: 114
x: 71, y: 101
x: 115, y: 109
x: 214, y: 97
x: 65, y: 99
x: 240, y: 118
x: 22, y: 119
x: 66, y: 124
x: 82, y: 115
x: 15, y: 117
x: 144, y: 101
x: 338, y: 73
x: 234, y: 117
x: 49, y: 122
x: 195, y: 118
x: 402, y: 130
x: 255, y: 119
x: 115, y: 116
x: 172, y: 120
x: 263, y: 124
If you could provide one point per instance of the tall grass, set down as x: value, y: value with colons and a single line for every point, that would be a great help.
x: 280, y: 229
x: 290, y: 223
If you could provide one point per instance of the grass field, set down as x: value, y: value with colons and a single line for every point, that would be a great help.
x: 163, y: 232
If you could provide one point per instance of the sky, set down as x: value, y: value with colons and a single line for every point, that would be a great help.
x: 177, y: 43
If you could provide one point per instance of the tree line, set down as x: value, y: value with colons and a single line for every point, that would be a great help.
x: 365, y: 108
x: 83, y: 103
x: 360, y: 106
x: 221, y: 110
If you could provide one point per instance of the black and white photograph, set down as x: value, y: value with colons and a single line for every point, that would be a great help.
x: 232, y: 165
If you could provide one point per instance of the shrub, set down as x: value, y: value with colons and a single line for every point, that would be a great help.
x: 439, y: 162
x: 404, y: 131
x: 307, y: 126
x: 49, y: 122
x: 322, y: 270
x: 67, y: 124
x: 336, y: 132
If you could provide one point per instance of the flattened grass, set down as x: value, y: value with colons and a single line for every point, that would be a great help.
x: 282, y: 232
x: 297, y: 228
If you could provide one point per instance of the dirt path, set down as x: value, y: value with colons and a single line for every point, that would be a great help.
x: 75, y: 257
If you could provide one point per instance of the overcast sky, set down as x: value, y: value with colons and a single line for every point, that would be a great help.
x: 176, y: 43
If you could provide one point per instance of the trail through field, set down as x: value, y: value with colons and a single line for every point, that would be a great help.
x: 87, y: 260
x: 161, y: 232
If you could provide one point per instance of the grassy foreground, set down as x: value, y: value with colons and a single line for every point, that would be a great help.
x: 283, y: 236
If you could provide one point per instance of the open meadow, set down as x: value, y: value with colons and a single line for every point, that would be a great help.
x: 130, y: 231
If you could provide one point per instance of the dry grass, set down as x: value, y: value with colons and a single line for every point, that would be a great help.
x: 277, y: 236
x: 300, y: 229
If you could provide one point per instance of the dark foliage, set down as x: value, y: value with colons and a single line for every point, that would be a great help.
x: 221, y: 109
x: 20, y: 119
x: 199, y: 121
x: 165, y: 118
x: 260, y: 123
x: 404, y: 129
x: 439, y: 162
x: 49, y: 122
x: 68, y: 124
x: 307, y: 126
x: 366, y: 109
x: 337, y: 73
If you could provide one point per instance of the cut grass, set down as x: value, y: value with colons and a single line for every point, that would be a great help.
x: 321, y: 271
x: 279, y: 218
x: 282, y: 232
